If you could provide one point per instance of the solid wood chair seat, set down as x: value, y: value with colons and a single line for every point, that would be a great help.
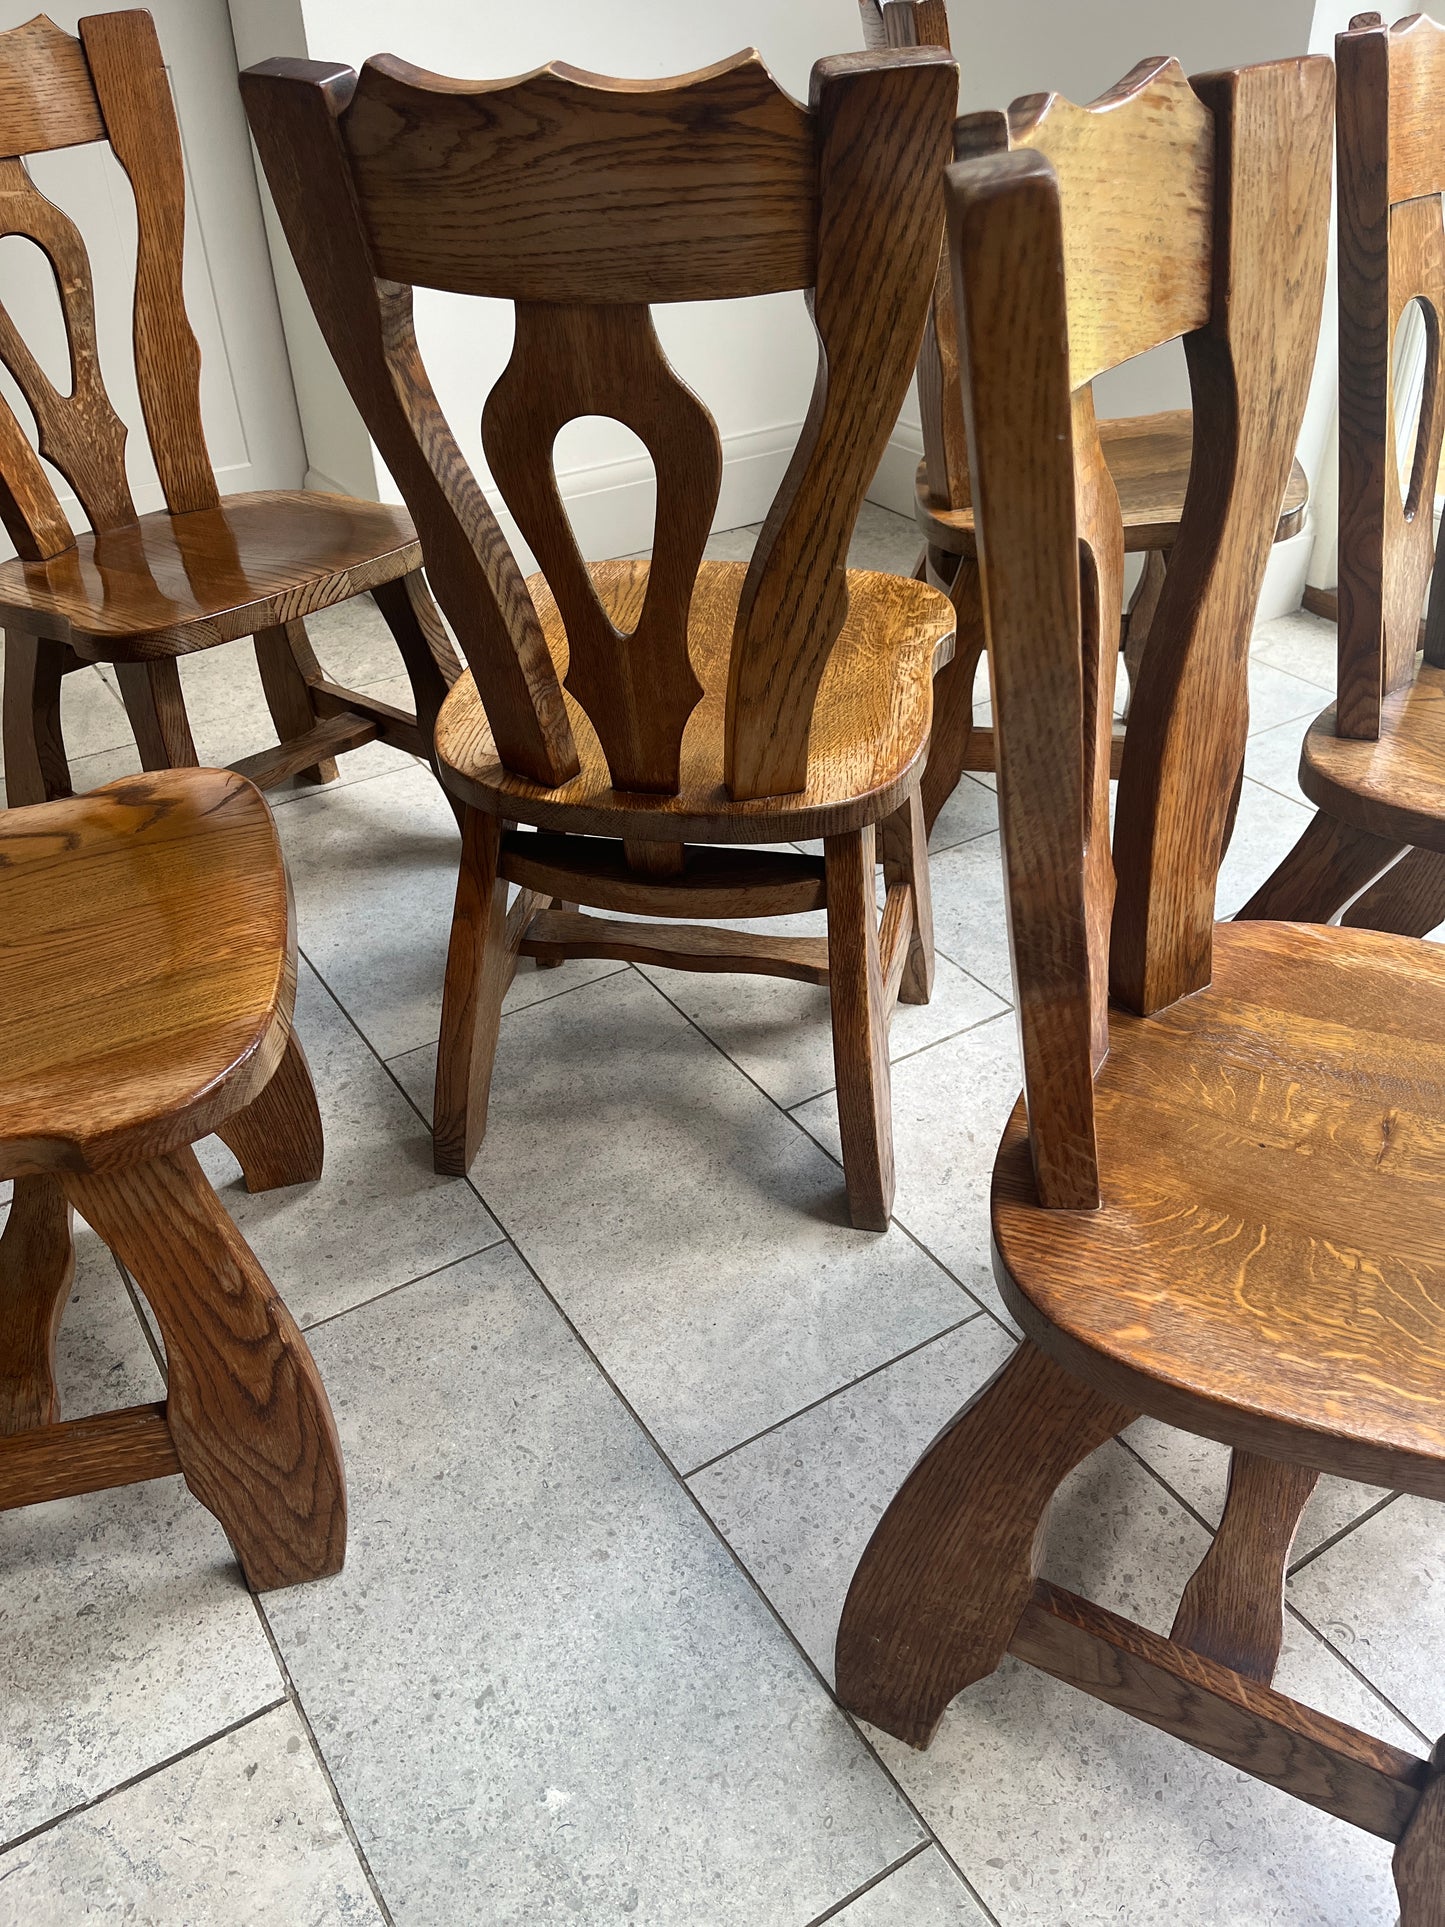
x: 1394, y: 785
x: 169, y: 584
x: 1148, y: 457
x: 870, y: 726
x: 1268, y: 1265
x: 145, y: 977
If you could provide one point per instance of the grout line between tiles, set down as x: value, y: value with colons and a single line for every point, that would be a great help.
x: 1349, y: 1665
x: 831, y: 1913
x: 1343, y: 1533
x: 391, y: 1290
x: 147, y: 1773
x: 837, y: 1392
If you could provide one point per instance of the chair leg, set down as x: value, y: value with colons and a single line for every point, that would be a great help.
x: 36, y: 769
x: 1232, y: 1610
x: 156, y: 707
x: 860, y: 1028
x: 951, y: 1565
x: 903, y: 847
x: 426, y: 649
x: 37, y: 1265
x: 1420, y: 1857
x: 1139, y: 618
x: 481, y: 959
x: 278, y: 1138
x: 285, y: 658
x: 553, y: 963
x: 1409, y: 899
x: 953, y: 695
x: 1329, y: 865
x: 247, y: 1412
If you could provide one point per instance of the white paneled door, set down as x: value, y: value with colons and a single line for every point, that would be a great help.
x: 247, y: 399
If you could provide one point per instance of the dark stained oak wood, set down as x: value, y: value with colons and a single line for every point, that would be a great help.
x: 79, y: 1455
x: 652, y: 705
x: 1420, y: 1857
x: 277, y: 1139
x: 1409, y: 899
x: 37, y: 1265
x: 138, y: 591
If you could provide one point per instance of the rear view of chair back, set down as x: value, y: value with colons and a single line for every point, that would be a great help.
x: 1165, y: 209
x: 55, y: 91
x: 1391, y: 171
x: 584, y: 200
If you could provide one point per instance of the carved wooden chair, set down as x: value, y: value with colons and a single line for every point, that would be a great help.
x: 147, y: 974
x: 1374, y: 762
x: 140, y: 591
x: 1147, y: 456
x: 1218, y: 1201
x: 706, y: 703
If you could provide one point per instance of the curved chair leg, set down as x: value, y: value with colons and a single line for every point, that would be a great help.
x: 1139, y: 618
x: 1409, y: 899
x: 156, y: 707
x: 1232, y: 1609
x: 246, y: 1409
x: 278, y: 1138
x: 37, y: 1264
x: 860, y: 1028
x: 481, y: 959
x: 1329, y: 865
x: 286, y: 659
x: 953, y: 695
x: 1420, y: 1857
x: 951, y: 1566
x: 36, y: 769
x: 426, y: 649
x: 903, y: 848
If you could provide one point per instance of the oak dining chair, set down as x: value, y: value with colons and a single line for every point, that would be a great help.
x: 141, y: 591
x: 1373, y: 763
x: 650, y: 720
x: 1146, y: 455
x: 147, y: 975
x: 1217, y: 1202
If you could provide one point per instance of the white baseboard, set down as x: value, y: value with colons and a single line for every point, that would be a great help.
x: 893, y: 487
x: 1284, y: 575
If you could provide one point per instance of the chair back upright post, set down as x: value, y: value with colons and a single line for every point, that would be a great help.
x: 583, y: 201
x: 1188, y: 209
x: 56, y: 91
x: 1391, y: 171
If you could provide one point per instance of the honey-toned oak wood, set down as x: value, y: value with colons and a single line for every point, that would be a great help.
x: 1372, y: 761
x: 147, y: 972
x: 139, y: 591
x: 630, y: 714
x: 1217, y: 1202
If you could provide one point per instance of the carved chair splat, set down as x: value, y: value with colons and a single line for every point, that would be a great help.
x: 647, y: 721
x: 1373, y: 763
x: 1147, y: 455
x: 117, y: 1061
x: 140, y: 591
x: 1191, y: 1216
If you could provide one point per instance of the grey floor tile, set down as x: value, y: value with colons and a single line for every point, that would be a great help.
x: 1276, y: 696
x: 126, y: 1634
x: 379, y: 1214
x: 1302, y: 644
x: 1198, y: 1470
x: 970, y: 926
x: 883, y: 540
x: 374, y: 869
x: 355, y: 647
x: 924, y: 1892
x: 972, y: 810
x: 243, y: 1830
x: 1379, y: 1595
x: 1272, y: 758
x: 1058, y: 1808
x: 950, y: 1105
x: 693, y: 1234
x: 799, y: 1504
x: 1266, y: 830
x: 780, y: 1032
x: 543, y: 1688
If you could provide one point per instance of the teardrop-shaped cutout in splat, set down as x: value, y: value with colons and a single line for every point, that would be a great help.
x: 619, y: 495
x: 1414, y: 389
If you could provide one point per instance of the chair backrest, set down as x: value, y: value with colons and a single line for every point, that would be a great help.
x: 1166, y: 209
x: 583, y: 200
x: 1391, y: 170
x: 55, y: 91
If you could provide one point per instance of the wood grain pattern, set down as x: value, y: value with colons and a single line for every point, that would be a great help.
x: 1232, y: 1609
x: 1392, y: 786
x: 1326, y: 867
x: 720, y: 882
x: 180, y: 930
x: 860, y: 1029
x: 676, y: 946
x: 245, y: 1406
x: 277, y: 1139
x: 280, y: 653
x: 1419, y: 1863
x: 36, y: 769
x: 156, y: 707
x: 37, y: 1265
x: 46, y: 96
x: 80, y: 1455
x: 1408, y: 899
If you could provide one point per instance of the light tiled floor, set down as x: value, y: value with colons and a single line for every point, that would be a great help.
x: 618, y: 1417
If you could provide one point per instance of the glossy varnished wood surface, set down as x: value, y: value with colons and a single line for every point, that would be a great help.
x: 870, y: 726
x: 169, y: 584
x: 145, y: 968
x: 1148, y: 457
x: 1392, y: 786
x: 1268, y: 1263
